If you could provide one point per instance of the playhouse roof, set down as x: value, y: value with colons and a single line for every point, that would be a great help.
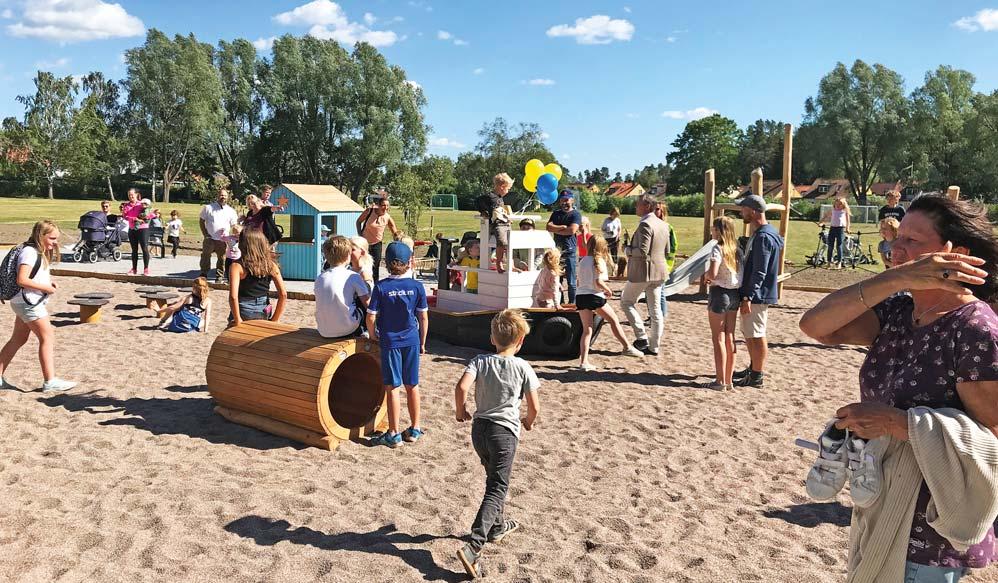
x: 324, y: 198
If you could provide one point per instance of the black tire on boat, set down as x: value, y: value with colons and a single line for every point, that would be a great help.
x: 556, y: 336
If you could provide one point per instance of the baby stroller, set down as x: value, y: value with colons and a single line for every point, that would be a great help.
x: 98, y: 240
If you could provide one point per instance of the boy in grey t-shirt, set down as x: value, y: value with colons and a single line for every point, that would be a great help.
x: 501, y: 382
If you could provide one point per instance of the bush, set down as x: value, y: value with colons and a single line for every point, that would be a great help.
x: 589, y: 201
x: 605, y: 203
x: 690, y: 205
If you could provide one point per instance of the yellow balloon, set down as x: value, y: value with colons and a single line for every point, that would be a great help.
x: 530, y: 183
x: 553, y: 169
x: 533, y: 168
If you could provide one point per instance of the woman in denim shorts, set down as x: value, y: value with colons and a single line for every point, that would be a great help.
x: 250, y: 278
x: 724, y: 276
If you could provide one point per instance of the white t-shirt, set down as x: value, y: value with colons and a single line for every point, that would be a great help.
x: 28, y: 257
x: 587, y: 276
x: 725, y: 277
x: 611, y: 228
x: 336, y: 295
x: 218, y: 218
x: 174, y: 227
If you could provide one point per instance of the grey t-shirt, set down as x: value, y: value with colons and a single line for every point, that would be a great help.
x: 500, y: 384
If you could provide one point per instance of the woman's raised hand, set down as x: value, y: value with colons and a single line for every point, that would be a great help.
x: 942, y: 270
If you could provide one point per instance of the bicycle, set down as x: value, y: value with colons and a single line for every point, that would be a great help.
x: 818, y: 259
x: 854, y: 255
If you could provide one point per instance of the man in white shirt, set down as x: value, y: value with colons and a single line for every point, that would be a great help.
x: 217, y: 218
x: 341, y: 296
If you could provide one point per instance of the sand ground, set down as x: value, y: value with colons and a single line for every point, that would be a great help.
x: 633, y: 473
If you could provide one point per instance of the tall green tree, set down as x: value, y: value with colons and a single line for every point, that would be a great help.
x: 175, y: 97
x: 48, y: 126
x: 411, y: 187
x: 942, y: 109
x: 983, y: 132
x: 99, y: 148
x: 710, y: 142
x: 507, y: 148
x: 242, y: 108
x: 861, y: 112
x: 761, y: 146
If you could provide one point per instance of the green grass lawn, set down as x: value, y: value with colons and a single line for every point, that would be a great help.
x: 803, y: 236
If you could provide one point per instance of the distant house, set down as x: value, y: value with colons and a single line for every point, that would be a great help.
x: 624, y: 189
x: 658, y: 189
x: 770, y: 189
x: 882, y: 188
x: 827, y: 188
x: 582, y: 186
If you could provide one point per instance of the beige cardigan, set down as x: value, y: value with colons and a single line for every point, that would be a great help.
x: 958, y: 459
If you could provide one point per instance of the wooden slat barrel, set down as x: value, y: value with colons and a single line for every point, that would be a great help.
x: 297, y: 384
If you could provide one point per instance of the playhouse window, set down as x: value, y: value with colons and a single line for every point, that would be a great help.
x: 303, y: 228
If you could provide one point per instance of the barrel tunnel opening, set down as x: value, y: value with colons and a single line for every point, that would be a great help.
x: 355, y: 391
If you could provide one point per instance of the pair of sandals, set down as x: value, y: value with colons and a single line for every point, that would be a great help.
x: 393, y: 440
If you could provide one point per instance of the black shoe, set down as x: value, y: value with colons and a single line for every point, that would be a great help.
x: 741, y: 374
x: 754, y: 379
x: 641, y: 344
x: 649, y: 352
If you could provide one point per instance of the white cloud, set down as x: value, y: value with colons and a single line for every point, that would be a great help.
x: 328, y: 21
x: 446, y: 143
x: 627, y: 9
x: 264, y: 44
x: 595, y: 30
x: 632, y: 115
x: 670, y: 39
x: 444, y: 35
x: 369, y: 19
x: 986, y: 20
x: 7, y: 13
x: 538, y: 82
x: 413, y: 84
x: 68, y: 21
x: 460, y: 43
x: 420, y: 4
x: 696, y: 113
x: 479, y: 71
x: 56, y: 64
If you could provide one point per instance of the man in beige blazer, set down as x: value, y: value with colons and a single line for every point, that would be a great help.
x: 646, y: 270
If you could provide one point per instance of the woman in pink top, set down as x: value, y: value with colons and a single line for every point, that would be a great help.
x: 371, y: 226
x: 138, y: 230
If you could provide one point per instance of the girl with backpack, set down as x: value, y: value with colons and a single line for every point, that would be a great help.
x: 27, y: 266
x: 192, y: 313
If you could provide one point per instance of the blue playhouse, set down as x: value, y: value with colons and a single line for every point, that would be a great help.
x: 311, y: 206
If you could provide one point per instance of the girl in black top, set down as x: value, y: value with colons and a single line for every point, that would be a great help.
x: 249, y: 281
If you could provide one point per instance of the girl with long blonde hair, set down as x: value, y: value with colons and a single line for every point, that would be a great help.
x: 250, y: 278
x: 34, y: 279
x: 547, y: 286
x: 594, y: 270
x: 361, y: 262
x: 839, y: 225
x: 724, y: 277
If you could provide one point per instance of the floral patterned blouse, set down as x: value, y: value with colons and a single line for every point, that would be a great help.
x: 909, y: 366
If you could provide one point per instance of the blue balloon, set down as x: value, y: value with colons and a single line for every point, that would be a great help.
x: 547, y: 197
x: 546, y: 183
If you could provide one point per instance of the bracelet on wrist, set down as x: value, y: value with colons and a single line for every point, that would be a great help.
x: 862, y: 298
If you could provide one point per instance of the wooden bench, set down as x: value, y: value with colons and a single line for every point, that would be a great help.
x: 89, y: 308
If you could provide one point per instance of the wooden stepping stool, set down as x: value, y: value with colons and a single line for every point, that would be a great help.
x: 89, y: 308
x: 157, y: 301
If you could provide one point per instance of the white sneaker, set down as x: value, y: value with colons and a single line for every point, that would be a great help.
x: 829, y: 473
x: 631, y: 351
x: 53, y: 385
x: 587, y: 367
x: 866, y: 477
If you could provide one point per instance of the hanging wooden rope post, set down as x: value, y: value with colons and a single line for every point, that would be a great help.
x: 788, y: 161
x: 708, y: 214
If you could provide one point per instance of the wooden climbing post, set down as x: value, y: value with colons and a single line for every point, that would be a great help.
x: 788, y: 162
x: 953, y: 192
x: 756, y: 183
x: 708, y: 214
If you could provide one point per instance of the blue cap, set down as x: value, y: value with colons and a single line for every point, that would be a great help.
x: 398, y: 251
x: 566, y: 194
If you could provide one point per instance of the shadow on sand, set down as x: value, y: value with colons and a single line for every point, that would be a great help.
x: 190, y: 416
x: 813, y: 514
x: 384, y: 541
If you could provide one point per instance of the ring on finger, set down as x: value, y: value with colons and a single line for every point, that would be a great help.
x: 945, y: 274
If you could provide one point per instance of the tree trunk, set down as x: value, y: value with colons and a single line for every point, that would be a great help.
x: 51, y: 194
x: 110, y: 189
x: 166, y: 187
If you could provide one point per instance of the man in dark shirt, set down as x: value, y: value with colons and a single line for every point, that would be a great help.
x: 564, y: 224
x: 892, y: 208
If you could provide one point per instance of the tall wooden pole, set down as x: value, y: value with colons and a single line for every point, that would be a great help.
x: 708, y: 214
x: 953, y: 192
x: 788, y: 162
x: 756, y: 185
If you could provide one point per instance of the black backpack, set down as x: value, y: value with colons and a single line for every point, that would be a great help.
x: 8, y: 272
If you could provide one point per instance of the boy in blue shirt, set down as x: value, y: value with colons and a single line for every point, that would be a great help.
x: 502, y: 381
x: 397, y: 319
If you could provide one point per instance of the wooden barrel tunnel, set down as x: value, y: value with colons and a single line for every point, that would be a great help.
x: 294, y: 383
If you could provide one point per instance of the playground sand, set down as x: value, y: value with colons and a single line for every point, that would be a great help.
x: 632, y: 473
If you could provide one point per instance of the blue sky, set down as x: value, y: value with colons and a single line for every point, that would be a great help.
x: 611, y: 83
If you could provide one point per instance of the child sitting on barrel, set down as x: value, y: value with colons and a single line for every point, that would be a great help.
x: 397, y: 319
x: 501, y: 381
x: 341, y: 296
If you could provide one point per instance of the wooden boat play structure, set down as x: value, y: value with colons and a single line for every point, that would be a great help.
x: 294, y: 383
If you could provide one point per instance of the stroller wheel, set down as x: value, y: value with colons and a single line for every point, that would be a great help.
x: 116, y: 255
x: 92, y: 257
x: 78, y: 255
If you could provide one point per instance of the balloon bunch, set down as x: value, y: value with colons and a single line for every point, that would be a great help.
x: 542, y: 180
